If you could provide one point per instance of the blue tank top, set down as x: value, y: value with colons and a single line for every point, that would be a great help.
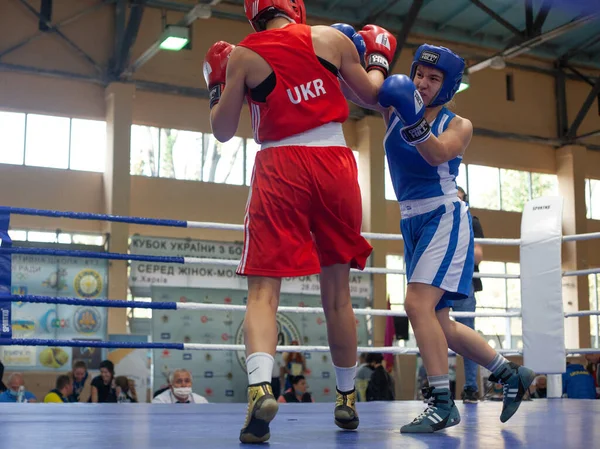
x: 413, y: 178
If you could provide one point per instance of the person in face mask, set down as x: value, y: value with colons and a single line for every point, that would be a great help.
x: 540, y: 391
x: 180, y: 390
x: 16, y: 391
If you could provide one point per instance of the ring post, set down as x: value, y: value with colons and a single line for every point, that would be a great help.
x: 541, y: 288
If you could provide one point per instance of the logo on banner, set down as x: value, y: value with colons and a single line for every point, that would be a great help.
x: 86, y: 320
x: 88, y: 283
x: 18, y: 290
x: 23, y: 326
x: 56, y: 280
x: 287, y: 332
x: 50, y: 321
x: 187, y: 356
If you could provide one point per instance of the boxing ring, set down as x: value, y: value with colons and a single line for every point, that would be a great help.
x: 540, y: 423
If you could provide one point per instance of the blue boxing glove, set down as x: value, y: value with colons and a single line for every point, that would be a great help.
x: 358, y: 40
x: 400, y: 93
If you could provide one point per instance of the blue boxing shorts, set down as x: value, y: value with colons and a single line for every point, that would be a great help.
x: 439, y: 245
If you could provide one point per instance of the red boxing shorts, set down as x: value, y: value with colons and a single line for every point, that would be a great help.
x: 304, y: 211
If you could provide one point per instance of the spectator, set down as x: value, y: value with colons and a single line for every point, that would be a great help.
x: 294, y: 365
x: 470, y: 394
x: 16, y: 391
x: 381, y: 386
x: 277, y: 375
x: 578, y: 383
x: 363, y: 375
x: 62, y: 392
x: 2, y: 386
x: 180, y: 390
x: 103, y: 386
x: 82, y: 383
x: 540, y: 387
x: 297, y: 392
x: 125, y: 390
x: 593, y: 367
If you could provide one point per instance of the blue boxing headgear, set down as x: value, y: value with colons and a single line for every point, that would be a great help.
x: 444, y: 60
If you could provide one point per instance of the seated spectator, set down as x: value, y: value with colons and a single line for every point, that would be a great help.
x: 180, y: 390
x: 82, y: 383
x: 64, y: 389
x: 103, y: 386
x: 2, y: 386
x: 297, y: 392
x: 381, y: 385
x: 593, y: 366
x: 578, y: 383
x: 363, y: 375
x: 16, y: 391
x: 125, y: 390
x: 540, y: 387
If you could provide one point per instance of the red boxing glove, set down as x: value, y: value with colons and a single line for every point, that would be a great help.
x: 215, y: 69
x: 380, y: 48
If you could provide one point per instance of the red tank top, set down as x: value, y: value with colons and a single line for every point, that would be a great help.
x: 306, y: 94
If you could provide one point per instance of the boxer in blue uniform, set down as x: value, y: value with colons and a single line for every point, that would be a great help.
x: 424, y: 144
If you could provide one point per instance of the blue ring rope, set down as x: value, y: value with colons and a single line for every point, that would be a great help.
x: 35, y: 299
x: 90, y: 216
x: 92, y: 255
x: 88, y: 344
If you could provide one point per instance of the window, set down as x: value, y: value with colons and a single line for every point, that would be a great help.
x: 224, y: 161
x: 144, y: 150
x: 494, y: 291
x: 515, y: 189
x: 396, y: 283
x: 484, y: 187
x: 592, y: 198
x: 390, y: 194
x: 88, y: 145
x: 12, y: 143
x: 252, y: 148
x: 47, y: 141
x: 543, y: 185
x: 461, y: 179
x: 180, y: 154
x: 21, y: 235
x: 594, y: 285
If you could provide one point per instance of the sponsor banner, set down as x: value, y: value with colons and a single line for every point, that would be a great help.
x: 58, y: 276
x: 144, y: 275
x: 221, y: 376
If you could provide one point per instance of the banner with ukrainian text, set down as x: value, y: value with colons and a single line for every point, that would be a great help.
x: 143, y: 276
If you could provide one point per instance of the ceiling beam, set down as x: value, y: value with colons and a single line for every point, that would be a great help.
x: 585, y: 107
x: 129, y: 37
x: 62, y: 23
x: 409, y: 21
x: 529, y: 18
x: 60, y: 34
x: 542, y: 16
x: 497, y: 17
x: 452, y: 14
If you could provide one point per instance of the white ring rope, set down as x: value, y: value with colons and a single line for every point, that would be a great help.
x: 579, y: 237
x: 360, y: 349
x: 582, y: 272
x: 369, y: 270
x: 582, y: 313
x: 319, y: 310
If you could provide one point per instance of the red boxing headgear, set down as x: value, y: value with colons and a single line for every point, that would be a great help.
x: 259, y: 12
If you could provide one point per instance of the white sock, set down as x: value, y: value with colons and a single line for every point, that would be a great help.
x: 259, y: 367
x: 438, y: 382
x: 344, y: 378
x: 496, y: 363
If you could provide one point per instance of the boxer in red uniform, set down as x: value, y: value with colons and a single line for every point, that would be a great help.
x: 304, y: 210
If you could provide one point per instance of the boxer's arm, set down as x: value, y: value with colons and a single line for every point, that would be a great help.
x: 351, y: 96
x: 450, y: 144
x: 364, y: 85
x: 225, y: 116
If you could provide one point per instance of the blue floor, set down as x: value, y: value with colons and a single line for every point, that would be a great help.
x: 559, y: 423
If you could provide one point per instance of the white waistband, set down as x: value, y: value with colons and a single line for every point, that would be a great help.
x: 411, y: 208
x: 328, y: 135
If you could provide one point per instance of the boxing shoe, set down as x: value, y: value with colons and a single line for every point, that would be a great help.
x: 515, y: 382
x: 440, y: 413
x: 345, y: 414
x: 262, y: 408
